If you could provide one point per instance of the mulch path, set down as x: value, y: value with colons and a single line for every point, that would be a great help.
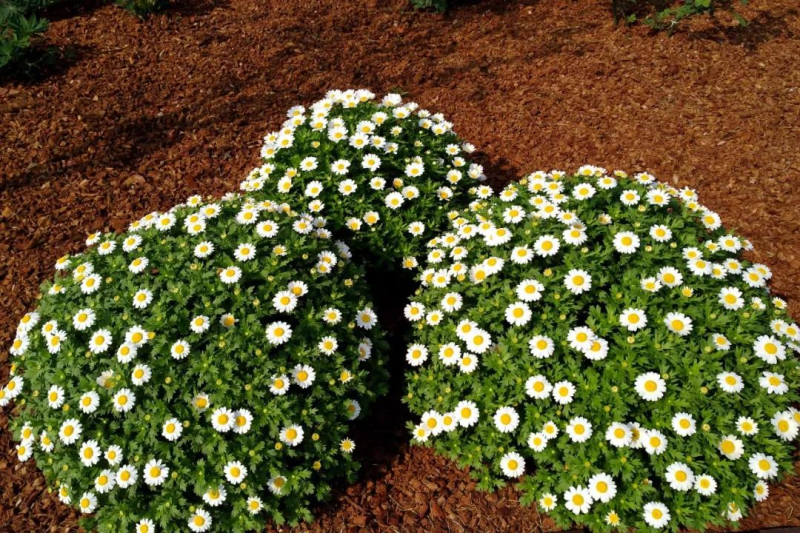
x: 142, y: 115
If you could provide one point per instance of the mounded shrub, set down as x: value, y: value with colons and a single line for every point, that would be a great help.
x: 602, y: 339
x: 199, y: 372
x: 385, y: 174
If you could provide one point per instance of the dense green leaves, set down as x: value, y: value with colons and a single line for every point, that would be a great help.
x: 651, y: 251
x: 216, y: 276
x: 385, y: 174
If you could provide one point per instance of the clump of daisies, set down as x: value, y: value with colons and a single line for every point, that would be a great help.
x: 199, y: 372
x: 385, y: 173
x: 600, y: 339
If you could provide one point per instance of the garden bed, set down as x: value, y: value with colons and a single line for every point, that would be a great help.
x: 144, y: 114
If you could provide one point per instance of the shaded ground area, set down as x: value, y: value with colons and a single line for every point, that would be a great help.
x: 141, y: 115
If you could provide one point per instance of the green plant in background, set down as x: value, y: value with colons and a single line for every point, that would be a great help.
x: 142, y: 8
x: 22, y: 24
x: 658, y: 14
x: 19, y: 28
x: 604, y: 335
x: 201, y: 370
x: 437, y: 5
x: 664, y: 15
x: 385, y: 174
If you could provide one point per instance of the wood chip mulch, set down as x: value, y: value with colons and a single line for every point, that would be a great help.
x: 141, y: 115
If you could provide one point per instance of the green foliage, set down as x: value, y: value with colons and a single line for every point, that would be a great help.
x: 658, y: 14
x: 605, y: 336
x: 232, y: 340
x: 19, y: 28
x: 383, y: 173
x: 665, y: 15
x: 437, y: 5
x: 142, y: 8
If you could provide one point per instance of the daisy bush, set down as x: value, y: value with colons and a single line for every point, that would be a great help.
x: 199, y: 372
x: 600, y: 339
x: 384, y: 173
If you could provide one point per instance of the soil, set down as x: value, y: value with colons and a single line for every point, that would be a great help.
x: 139, y: 115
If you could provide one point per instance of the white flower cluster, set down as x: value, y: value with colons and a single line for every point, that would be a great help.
x: 612, y: 319
x: 383, y: 166
x: 154, y: 350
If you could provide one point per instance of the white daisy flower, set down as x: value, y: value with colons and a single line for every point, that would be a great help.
x: 303, y: 376
x: 653, y: 441
x: 90, y: 453
x: 276, y: 484
x: 774, y: 383
x: 769, y: 349
x: 366, y: 318
x: 55, y: 397
x: 680, y: 477
x: 548, y: 501
x: 506, y: 419
x: 730, y: 382
x: 578, y: 500
x: 104, y: 482
x: 746, y: 426
x: 180, y: 350
x: 278, y: 333
x: 731, y: 298
x: 518, y: 314
x: 279, y: 385
x: 678, y: 323
x: 235, y: 472
x: 512, y: 464
x: 124, y: 400
x: 618, y: 435
x: 656, y: 514
x: 705, y: 485
x: 145, y: 525
x: 684, y: 424
x: 541, y: 347
x: 292, y: 435
x: 633, y: 319
x: 763, y: 466
x: 731, y: 447
x: 222, y: 419
x: 661, y: 233
x: 761, y: 491
x: 244, y: 252
x: 563, y: 392
x: 786, y: 425
x: 254, y: 505
x: 114, y: 455
x: 231, y: 274
x: 70, y: 431
x: 89, y: 402
x: 467, y: 413
x: 546, y: 246
x: 538, y: 387
x: 172, y: 429
x: 537, y: 441
x: 200, y: 521
x: 602, y: 487
x: 100, y: 341
x: 138, y: 265
x: 626, y: 242
x: 83, y: 319
x: 578, y: 281
x: 579, y: 429
x: 87, y: 503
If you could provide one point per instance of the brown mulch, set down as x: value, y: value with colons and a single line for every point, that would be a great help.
x: 141, y: 115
